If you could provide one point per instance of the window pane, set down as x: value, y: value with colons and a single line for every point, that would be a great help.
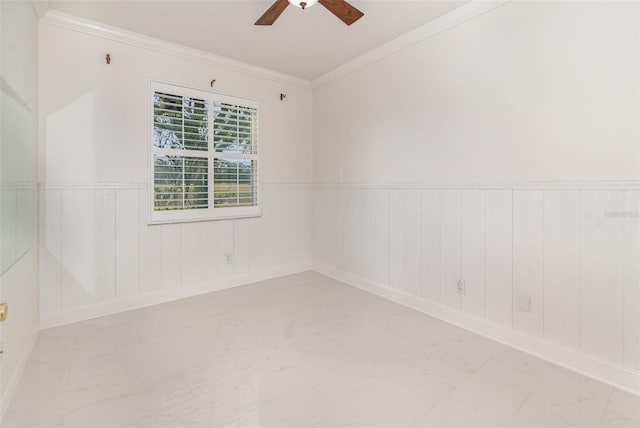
x: 180, y: 183
x: 234, y: 183
x: 179, y: 122
x: 234, y: 128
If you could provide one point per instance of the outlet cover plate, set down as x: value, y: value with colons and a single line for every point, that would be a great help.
x: 524, y: 304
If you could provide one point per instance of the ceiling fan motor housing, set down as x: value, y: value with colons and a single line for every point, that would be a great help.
x: 340, y: 8
x: 303, y: 4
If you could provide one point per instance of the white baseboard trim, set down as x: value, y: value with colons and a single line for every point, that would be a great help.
x: 96, y: 310
x: 16, y: 375
x: 604, y: 371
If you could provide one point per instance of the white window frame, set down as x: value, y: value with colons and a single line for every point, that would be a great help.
x: 210, y: 213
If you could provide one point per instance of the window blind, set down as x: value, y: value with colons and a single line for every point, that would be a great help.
x: 235, y: 165
x: 198, y: 172
x: 180, y: 182
x: 180, y: 122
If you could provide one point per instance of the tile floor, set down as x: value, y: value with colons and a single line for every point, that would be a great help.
x: 301, y: 350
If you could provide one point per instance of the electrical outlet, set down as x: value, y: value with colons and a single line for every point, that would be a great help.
x: 228, y: 259
x: 462, y: 287
x: 524, y: 304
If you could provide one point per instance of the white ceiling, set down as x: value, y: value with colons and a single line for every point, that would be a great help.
x: 304, y: 43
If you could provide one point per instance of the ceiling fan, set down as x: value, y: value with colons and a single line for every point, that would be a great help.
x: 340, y: 8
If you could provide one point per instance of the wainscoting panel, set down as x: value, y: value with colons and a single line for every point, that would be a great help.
x: 473, y: 252
x: 380, y: 270
x: 631, y: 279
x: 556, y: 263
x: 99, y: 255
x: 127, y: 243
x: 528, y: 269
x: 355, y: 243
x: 396, y: 240
x: 601, y: 274
x: 50, y: 267
x: 367, y: 233
x: 150, y: 245
x: 405, y: 241
x: 451, y: 247
x: 430, y: 244
x: 562, y: 267
x: 499, y: 257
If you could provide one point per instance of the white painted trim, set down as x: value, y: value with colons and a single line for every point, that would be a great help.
x: 288, y: 185
x: 210, y: 212
x: 611, y: 373
x: 116, y: 186
x: 96, y: 186
x: 83, y: 25
x: 529, y: 185
x: 41, y: 7
x: 16, y: 186
x: 48, y: 320
x: 455, y: 17
x: 16, y: 375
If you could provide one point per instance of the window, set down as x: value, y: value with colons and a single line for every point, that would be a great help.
x: 204, y: 155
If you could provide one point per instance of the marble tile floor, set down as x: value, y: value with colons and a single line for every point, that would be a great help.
x: 301, y: 350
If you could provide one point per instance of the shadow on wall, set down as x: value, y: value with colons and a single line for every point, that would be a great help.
x: 17, y: 178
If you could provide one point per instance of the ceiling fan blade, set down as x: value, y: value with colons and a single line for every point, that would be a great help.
x: 270, y: 16
x: 343, y: 10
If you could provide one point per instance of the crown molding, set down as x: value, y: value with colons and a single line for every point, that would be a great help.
x: 450, y: 19
x: 41, y: 7
x: 94, y: 28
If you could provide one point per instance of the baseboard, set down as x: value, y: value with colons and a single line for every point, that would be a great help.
x: 48, y: 320
x: 16, y: 375
x: 607, y: 372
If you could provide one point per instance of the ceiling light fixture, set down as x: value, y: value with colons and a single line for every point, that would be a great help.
x: 303, y: 4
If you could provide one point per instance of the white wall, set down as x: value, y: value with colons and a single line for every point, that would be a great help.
x: 528, y: 91
x: 531, y: 91
x: 572, y: 252
x: 19, y: 67
x: 98, y: 254
x: 543, y: 92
